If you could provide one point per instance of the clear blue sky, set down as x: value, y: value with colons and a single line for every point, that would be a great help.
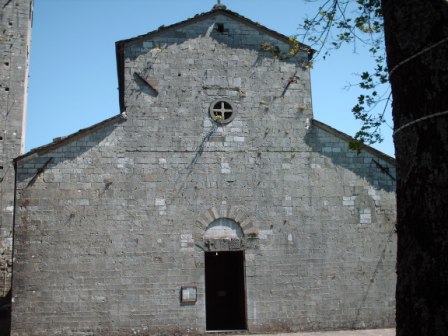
x: 73, y: 76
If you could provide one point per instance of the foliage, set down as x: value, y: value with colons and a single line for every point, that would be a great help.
x: 275, y: 50
x: 349, y: 22
x: 294, y: 48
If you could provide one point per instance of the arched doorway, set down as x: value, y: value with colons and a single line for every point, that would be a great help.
x: 225, y: 292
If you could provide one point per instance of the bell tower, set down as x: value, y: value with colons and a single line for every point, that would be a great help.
x: 15, y: 39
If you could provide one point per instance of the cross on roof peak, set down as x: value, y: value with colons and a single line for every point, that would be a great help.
x: 219, y: 5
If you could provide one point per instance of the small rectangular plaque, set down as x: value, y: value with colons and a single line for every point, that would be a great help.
x: 188, y: 294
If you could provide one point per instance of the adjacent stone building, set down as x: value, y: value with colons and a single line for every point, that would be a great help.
x: 15, y: 26
x: 214, y: 201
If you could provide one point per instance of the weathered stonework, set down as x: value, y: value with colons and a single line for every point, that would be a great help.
x: 112, y: 221
x: 15, y: 26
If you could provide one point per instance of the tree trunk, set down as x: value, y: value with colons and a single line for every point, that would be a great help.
x: 420, y: 89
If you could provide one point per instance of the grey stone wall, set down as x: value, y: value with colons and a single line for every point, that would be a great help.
x: 109, y: 226
x: 15, y: 25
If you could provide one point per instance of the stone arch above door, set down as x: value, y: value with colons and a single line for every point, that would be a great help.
x: 225, y: 228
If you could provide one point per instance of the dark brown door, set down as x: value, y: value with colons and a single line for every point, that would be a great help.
x: 225, y: 295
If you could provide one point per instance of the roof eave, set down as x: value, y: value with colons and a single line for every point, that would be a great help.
x: 119, y: 45
x: 70, y: 138
x: 120, y: 74
x: 348, y: 138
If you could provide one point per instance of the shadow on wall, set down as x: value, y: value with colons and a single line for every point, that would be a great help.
x: 260, y: 39
x: 66, y: 149
x: 357, y: 322
x: 372, y: 165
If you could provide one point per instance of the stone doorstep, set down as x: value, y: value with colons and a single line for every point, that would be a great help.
x: 365, y: 332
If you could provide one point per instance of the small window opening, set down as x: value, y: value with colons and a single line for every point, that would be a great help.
x: 1, y: 138
x: 220, y: 27
x: 6, y: 88
x: 7, y: 63
x: 1, y: 167
x: 222, y: 112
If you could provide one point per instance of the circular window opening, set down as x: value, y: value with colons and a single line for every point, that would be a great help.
x: 222, y: 112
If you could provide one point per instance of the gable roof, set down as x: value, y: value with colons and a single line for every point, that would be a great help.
x: 122, y: 117
x: 216, y: 10
x: 61, y: 141
x: 347, y: 138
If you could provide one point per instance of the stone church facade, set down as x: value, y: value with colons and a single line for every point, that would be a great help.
x: 213, y: 202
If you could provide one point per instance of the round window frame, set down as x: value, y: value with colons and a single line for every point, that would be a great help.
x: 212, y: 115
